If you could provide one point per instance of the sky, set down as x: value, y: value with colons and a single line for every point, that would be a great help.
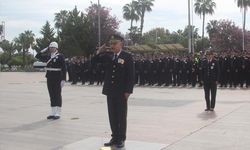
x: 21, y: 15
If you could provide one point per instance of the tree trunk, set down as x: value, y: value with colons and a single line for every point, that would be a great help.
x: 203, y: 28
x: 131, y: 25
x: 24, y: 58
x: 244, y: 28
x: 142, y: 20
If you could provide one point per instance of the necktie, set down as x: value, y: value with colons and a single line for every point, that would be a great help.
x: 115, y: 57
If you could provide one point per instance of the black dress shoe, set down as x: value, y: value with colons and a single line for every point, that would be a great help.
x: 212, y: 109
x: 56, y: 117
x: 112, y: 142
x: 207, y: 109
x: 50, y: 117
x: 120, y: 144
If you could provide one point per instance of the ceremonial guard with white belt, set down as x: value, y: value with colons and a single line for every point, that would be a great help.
x: 56, y: 76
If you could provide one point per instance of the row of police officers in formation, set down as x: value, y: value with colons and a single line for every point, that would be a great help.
x: 168, y: 70
x: 120, y: 71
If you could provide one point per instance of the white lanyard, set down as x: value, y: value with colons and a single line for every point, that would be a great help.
x: 52, y: 58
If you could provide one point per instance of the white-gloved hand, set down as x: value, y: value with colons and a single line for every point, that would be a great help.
x: 62, y: 83
x: 44, y: 50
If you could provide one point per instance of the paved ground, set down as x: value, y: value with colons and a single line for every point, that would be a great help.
x: 172, y: 117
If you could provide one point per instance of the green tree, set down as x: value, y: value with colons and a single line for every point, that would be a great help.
x: 155, y: 36
x: 24, y: 41
x: 198, y: 44
x: 144, y: 6
x: 60, y: 20
x: 244, y: 4
x: 135, y: 35
x: 73, y: 35
x: 109, y: 26
x: 225, y: 35
x: 163, y: 36
x: 48, y: 35
x: 203, y: 8
x: 195, y: 37
x: 9, y: 50
x: 131, y: 12
x: 78, y: 33
x: 212, y: 27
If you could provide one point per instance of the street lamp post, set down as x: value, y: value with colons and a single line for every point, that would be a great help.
x: 189, y: 29
x: 243, y: 28
x: 99, y: 25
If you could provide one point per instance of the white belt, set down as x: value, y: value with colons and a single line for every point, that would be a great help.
x: 53, y: 69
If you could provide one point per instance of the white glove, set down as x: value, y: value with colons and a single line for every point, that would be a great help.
x: 44, y: 50
x: 62, y: 83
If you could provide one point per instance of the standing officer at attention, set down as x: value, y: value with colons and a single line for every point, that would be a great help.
x: 210, y: 78
x: 118, y: 85
x: 56, y: 76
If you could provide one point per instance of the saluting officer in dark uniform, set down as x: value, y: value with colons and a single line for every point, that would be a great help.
x: 210, y: 78
x: 118, y: 85
x: 56, y: 76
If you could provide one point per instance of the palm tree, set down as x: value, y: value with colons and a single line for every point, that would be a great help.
x: 244, y: 4
x: 144, y: 6
x: 61, y: 18
x: 202, y: 8
x: 130, y: 12
x: 24, y: 41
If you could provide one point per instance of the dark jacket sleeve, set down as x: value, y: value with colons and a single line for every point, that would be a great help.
x: 42, y: 57
x: 100, y: 58
x: 130, y: 75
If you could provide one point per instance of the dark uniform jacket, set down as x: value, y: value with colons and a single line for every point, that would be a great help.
x: 210, y: 71
x: 57, y: 62
x: 119, y: 73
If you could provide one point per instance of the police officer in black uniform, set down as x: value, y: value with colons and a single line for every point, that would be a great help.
x: 210, y: 78
x: 248, y: 71
x: 118, y: 85
x: 194, y: 72
x: 56, y: 76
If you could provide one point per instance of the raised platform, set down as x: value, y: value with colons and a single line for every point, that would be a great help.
x: 95, y: 143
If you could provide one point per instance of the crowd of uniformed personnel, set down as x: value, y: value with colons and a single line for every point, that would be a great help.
x: 168, y: 70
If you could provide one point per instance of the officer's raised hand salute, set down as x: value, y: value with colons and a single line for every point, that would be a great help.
x: 56, y: 76
x: 210, y: 78
x: 102, y: 49
x: 118, y: 85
